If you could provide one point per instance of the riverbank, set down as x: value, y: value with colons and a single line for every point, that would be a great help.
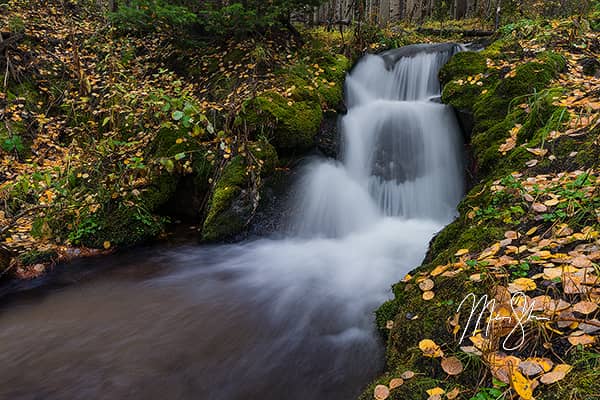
x: 527, y: 233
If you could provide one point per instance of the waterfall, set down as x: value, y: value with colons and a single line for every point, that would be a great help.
x: 402, y: 153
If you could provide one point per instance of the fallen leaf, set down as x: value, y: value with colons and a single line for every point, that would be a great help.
x: 461, y: 252
x: 521, y: 384
x: 557, y: 374
x: 396, y: 382
x: 428, y: 295
x: 407, y: 375
x: 430, y: 348
x: 538, y: 152
x: 585, y: 307
x: 439, y: 270
x: 584, y: 340
x: 522, y: 285
x: 436, y: 391
x: 451, y: 395
x: 452, y: 366
x: 539, y: 207
x: 381, y: 392
x: 426, y: 285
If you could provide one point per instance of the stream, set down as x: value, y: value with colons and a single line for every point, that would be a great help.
x: 266, y: 318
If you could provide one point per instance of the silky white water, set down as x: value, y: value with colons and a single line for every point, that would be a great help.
x: 289, y: 318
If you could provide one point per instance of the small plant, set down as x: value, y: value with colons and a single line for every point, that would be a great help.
x: 520, y: 270
x: 488, y: 394
x: 13, y: 143
x: 491, y: 393
x: 16, y: 25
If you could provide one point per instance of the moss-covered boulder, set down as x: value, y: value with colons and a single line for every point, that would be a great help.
x: 230, y: 206
x: 463, y: 64
x: 291, y: 125
x: 236, y: 193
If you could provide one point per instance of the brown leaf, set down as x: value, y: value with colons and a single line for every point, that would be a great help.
x: 396, y: 382
x: 426, y: 285
x: 585, y: 307
x: 381, y: 392
x: 452, y: 366
x: 584, y: 340
x: 407, y: 375
x: 453, y: 394
x: 558, y: 373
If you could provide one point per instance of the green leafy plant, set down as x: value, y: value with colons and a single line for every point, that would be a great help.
x: 12, y: 143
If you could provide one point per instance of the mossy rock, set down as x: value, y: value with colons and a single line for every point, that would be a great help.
x: 330, y: 93
x: 230, y: 206
x: 461, y: 65
x: 461, y: 97
x: 265, y: 154
x: 292, y: 124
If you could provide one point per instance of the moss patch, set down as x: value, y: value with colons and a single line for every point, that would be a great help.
x: 227, y: 209
x: 291, y: 124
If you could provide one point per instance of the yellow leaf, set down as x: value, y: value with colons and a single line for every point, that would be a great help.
x: 436, y: 391
x: 522, y: 285
x: 430, y: 348
x: 520, y: 384
x: 439, y: 269
x: 461, y: 252
x: 428, y: 295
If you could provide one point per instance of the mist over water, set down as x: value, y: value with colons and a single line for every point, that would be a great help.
x: 267, y: 318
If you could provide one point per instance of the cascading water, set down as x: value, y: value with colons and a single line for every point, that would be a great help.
x: 402, y: 151
x: 266, y: 318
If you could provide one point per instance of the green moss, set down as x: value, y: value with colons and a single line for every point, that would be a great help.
x: 225, y: 217
x: 265, y: 154
x: 121, y: 226
x: 461, y: 97
x: 461, y: 65
x: 293, y: 125
x: 37, y: 257
x: 310, y: 87
x: 582, y: 383
x: 462, y: 235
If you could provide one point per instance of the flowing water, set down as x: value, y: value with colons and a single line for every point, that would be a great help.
x: 264, y: 319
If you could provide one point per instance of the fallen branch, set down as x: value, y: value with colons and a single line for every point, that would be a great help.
x: 465, y: 33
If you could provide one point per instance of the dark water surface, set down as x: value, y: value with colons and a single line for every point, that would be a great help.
x: 181, y: 323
